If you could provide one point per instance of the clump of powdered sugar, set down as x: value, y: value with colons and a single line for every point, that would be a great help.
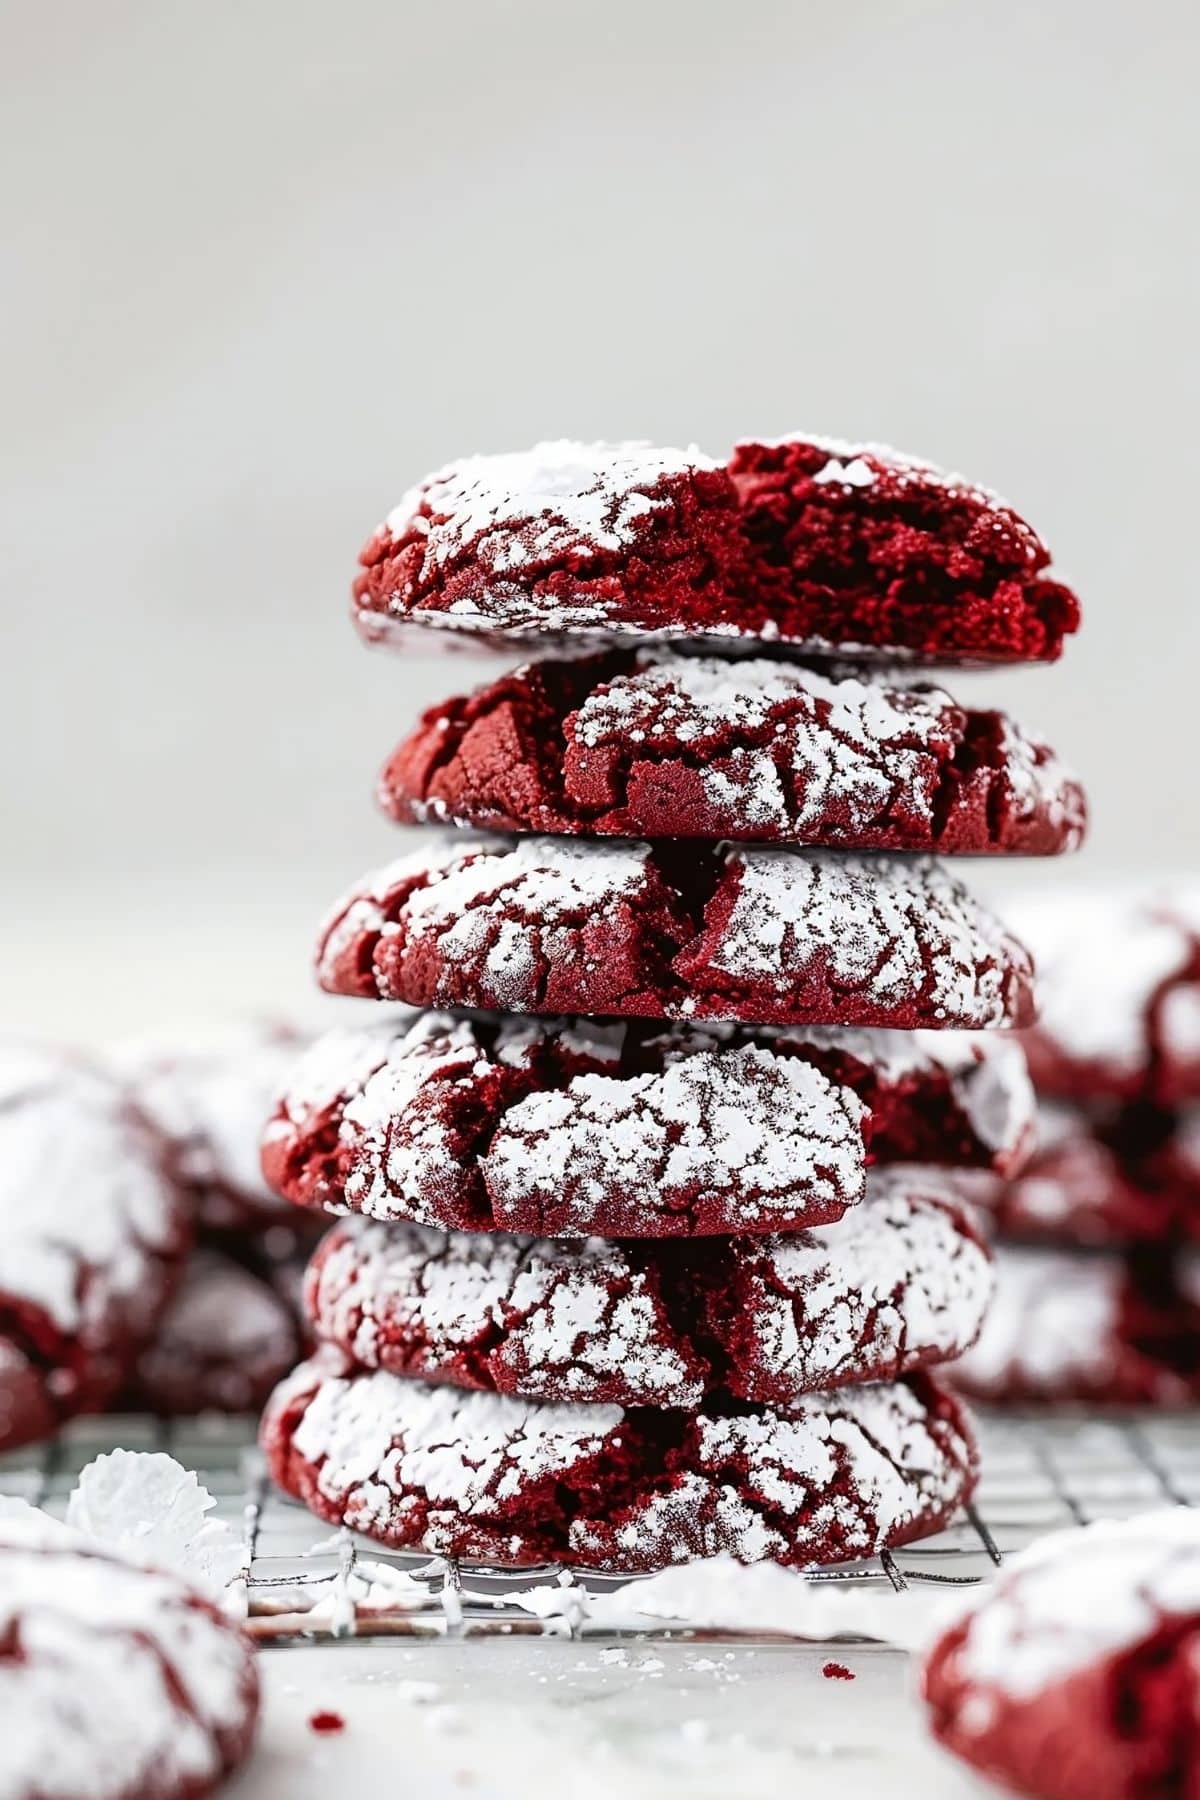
x: 523, y: 508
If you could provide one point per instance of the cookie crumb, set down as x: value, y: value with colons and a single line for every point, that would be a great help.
x: 326, y: 1722
x: 835, y: 1671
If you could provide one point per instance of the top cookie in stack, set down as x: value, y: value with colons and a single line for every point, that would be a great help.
x: 709, y: 794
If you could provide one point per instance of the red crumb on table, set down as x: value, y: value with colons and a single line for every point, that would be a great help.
x: 835, y: 1671
x: 326, y: 1722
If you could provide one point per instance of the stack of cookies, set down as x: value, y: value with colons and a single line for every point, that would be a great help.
x: 648, y: 1242
x: 1098, y: 1290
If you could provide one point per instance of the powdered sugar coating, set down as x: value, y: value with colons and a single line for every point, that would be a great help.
x: 735, y: 1136
x: 856, y: 940
x: 458, y: 1122
x: 667, y: 745
x: 550, y: 538
x: 1119, y: 976
x: 536, y: 1317
x: 208, y: 1094
x: 1069, y: 1326
x: 1050, y: 1679
x: 93, y: 1230
x: 551, y: 925
x: 120, y: 1682
x: 899, y: 1284
x: 554, y: 498
x: 485, y: 1475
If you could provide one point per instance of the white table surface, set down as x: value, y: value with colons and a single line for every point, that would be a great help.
x: 523, y: 1719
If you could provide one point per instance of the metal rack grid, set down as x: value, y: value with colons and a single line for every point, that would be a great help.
x: 304, y: 1584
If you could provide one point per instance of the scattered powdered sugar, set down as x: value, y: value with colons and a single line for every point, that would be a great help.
x: 527, y: 507
x: 122, y: 1683
x: 84, y: 1197
x: 1077, y: 1598
x: 745, y: 1122
x: 885, y: 928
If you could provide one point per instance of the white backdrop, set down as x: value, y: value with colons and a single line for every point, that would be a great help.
x: 265, y: 263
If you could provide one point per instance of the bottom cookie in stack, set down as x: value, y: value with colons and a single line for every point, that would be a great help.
x: 492, y: 1478
x: 628, y: 1405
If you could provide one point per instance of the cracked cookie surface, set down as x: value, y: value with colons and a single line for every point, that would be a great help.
x: 1097, y: 1328
x: 117, y: 1682
x: 1074, y: 1674
x: 94, y: 1233
x: 208, y: 1096
x: 900, y: 1284
x: 805, y: 542
x: 569, y: 1127
x: 655, y: 744
x: 1119, y: 991
x: 554, y: 925
x: 492, y: 1478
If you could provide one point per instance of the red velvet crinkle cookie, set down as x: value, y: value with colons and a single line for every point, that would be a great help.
x: 223, y: 1343
x: 548, y: 925
x: 641, y: 744
x: 117, y: 1682
x: 1076, y: 1675
x: 209, y: 1096
x: 93, y: 1234
x: 1110, y: 1180
x: 1088, y: 1327
x: 901, y: 1283
x: 570, y: 1128
x: 805, y: 542
x: 1119, y: 987
x: 491, y: 1478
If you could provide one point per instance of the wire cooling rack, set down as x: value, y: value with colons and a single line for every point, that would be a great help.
x: 301, y: 1583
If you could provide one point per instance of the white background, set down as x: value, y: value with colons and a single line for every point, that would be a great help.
x: 266, y: 263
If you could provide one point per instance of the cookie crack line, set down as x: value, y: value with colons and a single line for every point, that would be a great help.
x: 663, y: 744
x: 901, y: 1285
x: 538, y: 1127
x: 785, y: 937
x: 488, y: 1477
x: 803, y: 543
